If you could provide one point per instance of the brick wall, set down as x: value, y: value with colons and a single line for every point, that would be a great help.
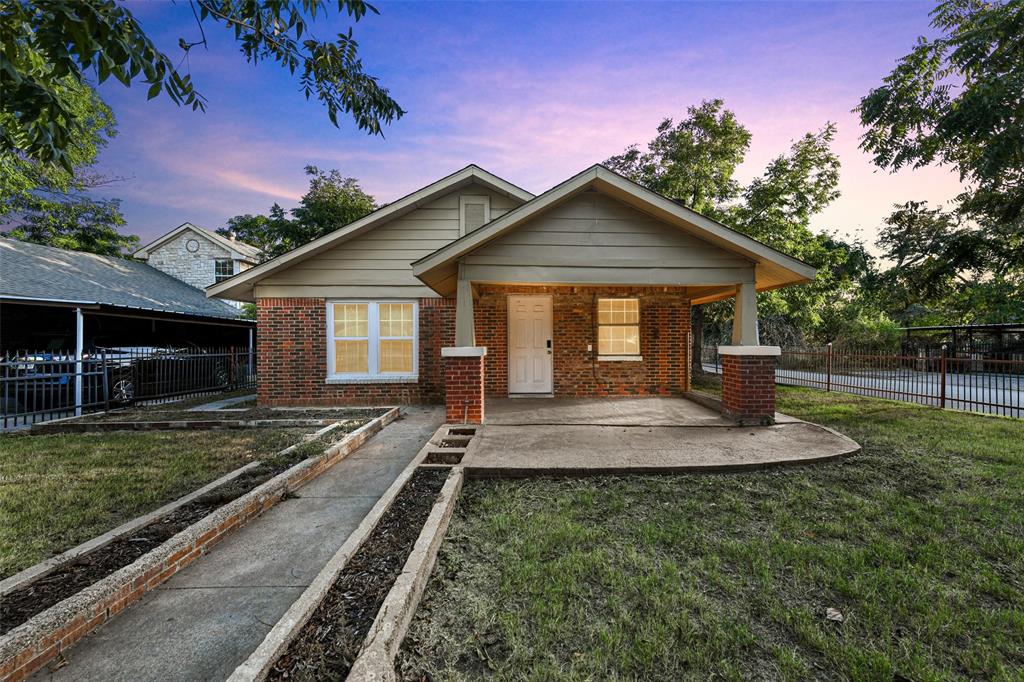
x: 664, y: 329
x: 748, y: 388
x: 292, y: 356
x: 464, y: 390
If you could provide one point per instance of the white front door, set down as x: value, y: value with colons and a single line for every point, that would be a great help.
x: 529, y: 344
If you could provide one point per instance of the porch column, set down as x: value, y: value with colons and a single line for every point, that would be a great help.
x: 464, y: 363
x: 748, y: 368
x: 744, y: 321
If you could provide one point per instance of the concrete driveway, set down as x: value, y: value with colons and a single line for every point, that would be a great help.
x: 637, y: 435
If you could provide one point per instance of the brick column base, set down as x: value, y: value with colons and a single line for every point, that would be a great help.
x: 748, y: 383
x: 464, y: 384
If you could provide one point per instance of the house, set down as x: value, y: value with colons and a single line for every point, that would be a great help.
x: 472, y: 287
x: 197, y: 256
x: 53, y: 299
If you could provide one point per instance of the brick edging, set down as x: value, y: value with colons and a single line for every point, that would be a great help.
x: 31, y: 645
x: 262, y: 659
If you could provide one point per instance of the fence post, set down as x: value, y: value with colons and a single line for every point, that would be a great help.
x: 106, y: 380
x: 942, y: 371
x: 828, y: 368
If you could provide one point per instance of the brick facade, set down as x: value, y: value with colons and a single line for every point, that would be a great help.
x: 748, y: 388
x: 292, y: 356
x: 464, y: 390
x: 664, y: 334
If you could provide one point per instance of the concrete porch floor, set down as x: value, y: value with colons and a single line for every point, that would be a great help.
x: 529, y: 436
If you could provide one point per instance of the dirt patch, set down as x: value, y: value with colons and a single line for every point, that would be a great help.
x: 22, y: 604
x: 440, y: 457
x: 455, y: 442
x: 328, y: 644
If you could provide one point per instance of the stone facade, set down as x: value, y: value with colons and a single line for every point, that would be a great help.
x: 196, y: 269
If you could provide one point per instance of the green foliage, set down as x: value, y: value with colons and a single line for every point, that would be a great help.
x: 693, y: 161
x: 46, y: 203
x: 332, y: 201
x: 943, y: 271
x: 959, y: 100
x: 74, y: 223
x: 48, y: 44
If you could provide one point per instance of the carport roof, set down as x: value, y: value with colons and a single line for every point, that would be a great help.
x: 32, y: 272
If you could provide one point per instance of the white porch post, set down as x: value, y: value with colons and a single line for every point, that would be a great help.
x: 79, y: 342
x: 744, y: 323
x: 465, y: 334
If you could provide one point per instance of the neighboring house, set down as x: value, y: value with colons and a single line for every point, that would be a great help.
x: 473, y: 287
x: 198, y: 257
x: 53, y: 299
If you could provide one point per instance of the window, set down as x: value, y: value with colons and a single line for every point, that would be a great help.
x: 223, y: 268
x: 371, y: 340
x: 474, y: 212
x: 618, y: 326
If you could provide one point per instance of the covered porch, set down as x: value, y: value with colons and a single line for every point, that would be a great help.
x: 525, y: 437
x: 585, y: 291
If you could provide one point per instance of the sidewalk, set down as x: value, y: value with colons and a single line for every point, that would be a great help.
x: 207, y: 619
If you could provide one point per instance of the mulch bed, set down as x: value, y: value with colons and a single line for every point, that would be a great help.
x: 329, y: 642
x: 229, y: 414
x: 24, y: 603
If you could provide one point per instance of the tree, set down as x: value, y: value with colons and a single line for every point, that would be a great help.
x: 47, y: 204
x: 49, y: 43
x: 77, y: 224
x: 332, y: 201
x: 958, y: 100
x: 692, y: 161
x: 943, y: 271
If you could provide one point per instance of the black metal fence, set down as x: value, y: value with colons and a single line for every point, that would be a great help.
x: 974, y: 382
x: 39, y: 386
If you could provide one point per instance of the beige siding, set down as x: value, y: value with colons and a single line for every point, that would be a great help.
x: 593, y: 231
x: 377, y: 264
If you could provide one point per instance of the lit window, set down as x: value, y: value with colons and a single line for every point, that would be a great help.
x: 618, y: 326
x: 223, y: 268
x: 370, y: 339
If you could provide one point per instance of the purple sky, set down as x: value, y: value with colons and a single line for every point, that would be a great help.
x: 533, y: 92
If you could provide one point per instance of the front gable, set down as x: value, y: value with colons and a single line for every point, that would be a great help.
x: 376, y: 263
x: 599, y: 228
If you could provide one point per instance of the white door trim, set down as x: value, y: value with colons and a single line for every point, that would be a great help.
x: 547, y: 389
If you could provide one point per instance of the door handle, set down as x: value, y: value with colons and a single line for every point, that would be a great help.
x: 549, y: 346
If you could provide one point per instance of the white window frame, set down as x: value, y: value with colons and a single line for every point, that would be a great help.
x: 373, y: 376
x: 638, y: 356
x: 473, y: 199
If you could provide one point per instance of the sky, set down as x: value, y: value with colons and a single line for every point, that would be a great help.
x: 533, y: 92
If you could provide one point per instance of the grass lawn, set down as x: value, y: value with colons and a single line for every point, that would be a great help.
x: 61, y: 490
x: 918, y: 542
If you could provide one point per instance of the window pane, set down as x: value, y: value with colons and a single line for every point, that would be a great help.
x: 396, y: 319
x: 618, y: 311
x: 396, y: 356
x: 624, y: 340
x: 350, y: 319
x: 351, y: 357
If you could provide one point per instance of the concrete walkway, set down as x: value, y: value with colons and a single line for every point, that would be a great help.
x: 637, y: 435
x: 207, y: 619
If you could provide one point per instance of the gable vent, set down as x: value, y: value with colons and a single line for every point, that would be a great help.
x: 474, y: 212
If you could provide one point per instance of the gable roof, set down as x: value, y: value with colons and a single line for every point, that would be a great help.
x: 244, y: 251
x: 238, y: 286
x: 773, y: 269
x: 44, y: 273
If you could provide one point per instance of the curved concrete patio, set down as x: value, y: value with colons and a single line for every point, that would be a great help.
x: 534, y: 436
